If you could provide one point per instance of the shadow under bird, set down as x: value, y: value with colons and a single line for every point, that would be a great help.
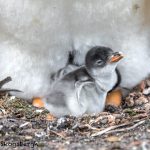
x: 84, y: 90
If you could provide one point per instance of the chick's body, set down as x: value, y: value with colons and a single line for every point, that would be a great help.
x: 77, y: 93
x: 84, y: 90
x: 63, y: 97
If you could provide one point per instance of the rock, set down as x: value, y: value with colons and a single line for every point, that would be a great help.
x: 141, y: 100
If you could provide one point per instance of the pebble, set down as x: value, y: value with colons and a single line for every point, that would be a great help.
x: 147, y: 106
x: 104, y: 121
x: 62, y: 122
x: 24, y: 124
x: 40, y: 134
x: 141, y: 100
x: 28, y: 137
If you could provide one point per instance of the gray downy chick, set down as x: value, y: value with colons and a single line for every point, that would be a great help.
x: 84, y: 90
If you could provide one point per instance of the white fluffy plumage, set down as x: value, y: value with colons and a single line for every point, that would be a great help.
x: 37, y: 35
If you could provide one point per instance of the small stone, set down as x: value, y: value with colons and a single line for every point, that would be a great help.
x: 146, y: 91
x: 24, y: 124
x: 104, y: 121
x: 129, y: 102
x: 39, y: 111
x: 117, y: 121
x: 67, y: 142
x: 1, y: 126
x: 147, y: 107
x: 111, y: 119
x: 40, y: 134
x: 2, y: 112
x: 141, y: 100
x: 63, y: 122
x: 12, y: 97
x: 28, y: 137
x: 113, y: 139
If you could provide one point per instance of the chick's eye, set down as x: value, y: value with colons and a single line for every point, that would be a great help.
x: 99, y: 62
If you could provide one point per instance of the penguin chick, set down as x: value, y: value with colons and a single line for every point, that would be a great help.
x: 84, y: 90
x: 71, y: 66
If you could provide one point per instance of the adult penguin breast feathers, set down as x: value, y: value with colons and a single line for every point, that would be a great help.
x: 84, y: 90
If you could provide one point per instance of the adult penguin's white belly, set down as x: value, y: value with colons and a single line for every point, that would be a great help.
x: 35, y: 37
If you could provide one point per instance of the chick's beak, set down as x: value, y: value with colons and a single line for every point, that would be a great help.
x: 116, y: 57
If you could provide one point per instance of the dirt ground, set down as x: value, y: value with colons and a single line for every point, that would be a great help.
x: 23, y: 126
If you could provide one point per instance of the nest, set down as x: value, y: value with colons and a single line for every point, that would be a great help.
x: 23, y: 125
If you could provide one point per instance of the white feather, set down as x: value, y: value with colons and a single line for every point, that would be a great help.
x: 35, y: 37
